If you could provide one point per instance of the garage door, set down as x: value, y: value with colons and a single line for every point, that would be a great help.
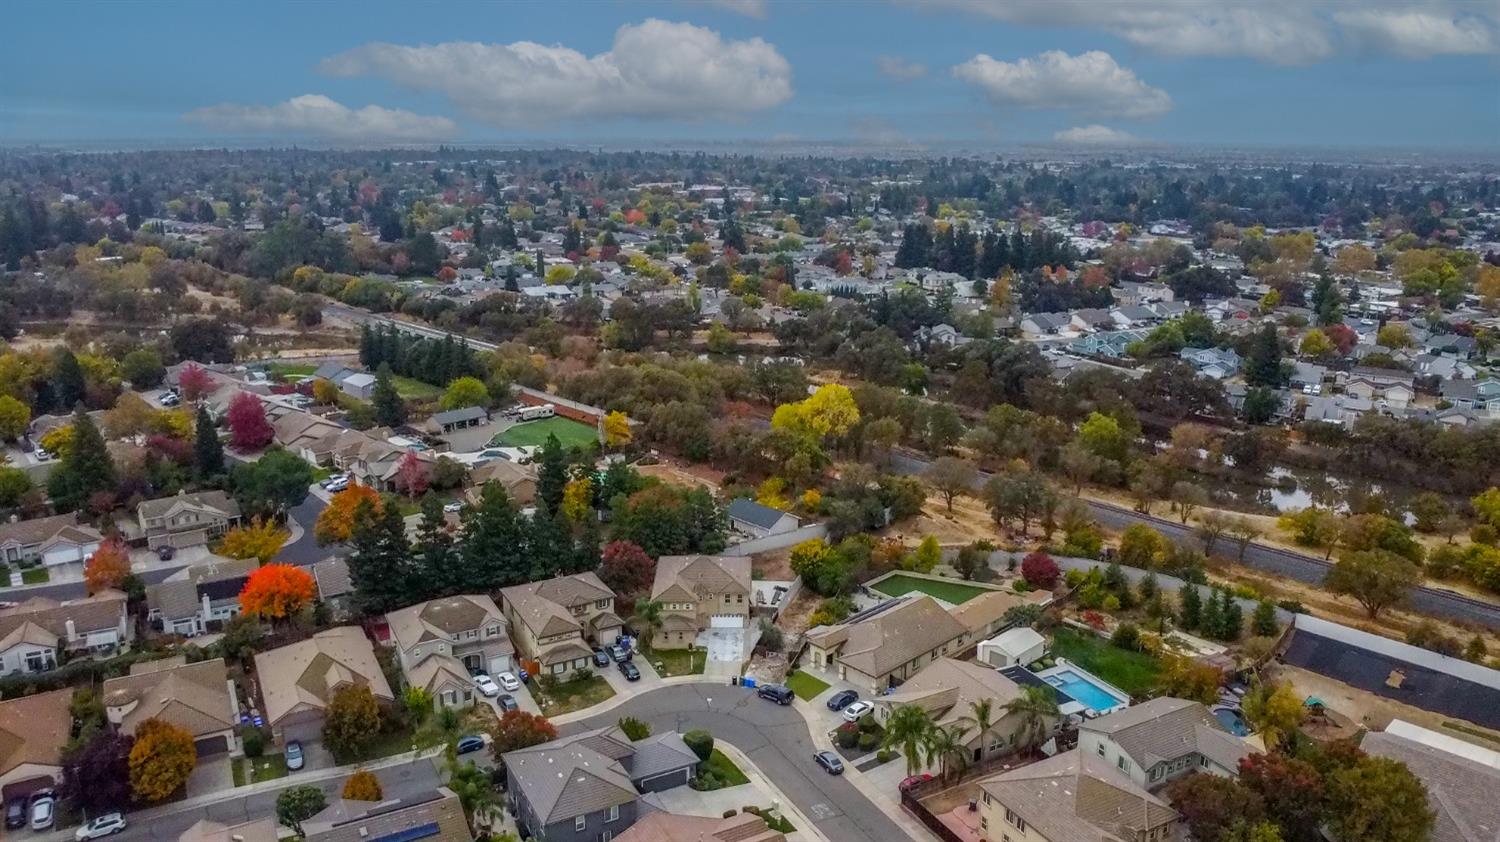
x: 726, y: 621
x: 666, y: 781
x: 208, y: 746
x: 63, y: 555
x: 499, y: 664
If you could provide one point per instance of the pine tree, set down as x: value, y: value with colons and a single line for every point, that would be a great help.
x: 1231, y: 617
x: 494, y: 542
x: 1209, y: 624
x: 549, y: 546
x: 86, y: 468
x: 1192, y: 606
x: 551, y: 476
x: 437, y: 558
x: 368, y: 348
x: 208, y: 451
x: 378, y: 566
x: 68, y: 387
x: 390, y: 410
x: 1263, y: 622
x: 1263, y: 364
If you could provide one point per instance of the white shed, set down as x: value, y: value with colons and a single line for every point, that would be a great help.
x: 1014, y: 646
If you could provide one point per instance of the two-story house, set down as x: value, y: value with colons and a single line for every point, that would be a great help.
x: 1162, y: 739
x: 442, y: 642
x: 1072, y: 797
x: 55, y: 540
x: 200, y: 598
x: 186, y: 520
x: 698, y: 592
x: 555, y: 621
x: 587, y: 787
x: 34, y: 732
x: 36, y: 635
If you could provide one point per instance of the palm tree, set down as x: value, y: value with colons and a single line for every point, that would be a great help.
x: 472, y: 784
x: 1035, y: 706
x: 908, y: 729
x: 647, y: 616
x: 981, y: 719
x: 948, y: 747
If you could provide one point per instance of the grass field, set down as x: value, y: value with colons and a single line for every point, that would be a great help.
x: 1134, y: 672
x: 534, y: 433
x: 35, y: 576
x: 954, y: 593
x: 414, y: 390
x: 806, y: 687
x: 285, y: 370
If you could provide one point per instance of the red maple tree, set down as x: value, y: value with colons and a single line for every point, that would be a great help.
x: 248, y: 428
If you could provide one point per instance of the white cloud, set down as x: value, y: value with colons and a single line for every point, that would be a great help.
x: 1272, y: 31
x: 1094, y: 135
x: 315, y: 115
x: 900, y: 69
x: 1091, y: 82
x: 653, y: 70
x: 1418, y: 34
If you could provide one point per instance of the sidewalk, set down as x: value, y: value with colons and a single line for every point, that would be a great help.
x: 805, y: 828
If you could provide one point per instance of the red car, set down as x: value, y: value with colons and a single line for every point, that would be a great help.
x: 914, y: 780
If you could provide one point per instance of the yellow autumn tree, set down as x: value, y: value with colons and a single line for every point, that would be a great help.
x: 827, y: 413
x: 261, y: 539
x: 616, y: 429
x: 578, y: 499
x: 161, y: 760
x: 363, y: 786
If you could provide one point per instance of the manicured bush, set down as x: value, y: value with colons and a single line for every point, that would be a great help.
x: 868, y: 742
x: 254, y: 743
x: 847, y: 735
x: 701, y: 742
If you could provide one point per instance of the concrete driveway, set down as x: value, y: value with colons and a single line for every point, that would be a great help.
x: 212, y: 774
x: 650, y: 679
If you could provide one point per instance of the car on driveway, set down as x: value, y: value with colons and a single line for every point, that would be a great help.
x: 470, y: 743
x: 620, y: 653
x: 15, y: 813
x: 105, y: 825
x: 487, y: 685
x: 507, y: 703
x: 842, y: 699
x: 509, y: 681
x: 336, y: 483
x: 43, y: 810
x: 630, y: 671
x: 601, y: 658
x: 165, y: 552
x: 777, y: 693
x: 295, y: 759
x: 453, y: 507
x: 830, y: 762
x: 908, y: 783
x: 858, y: 711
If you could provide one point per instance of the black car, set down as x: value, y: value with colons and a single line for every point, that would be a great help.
x: 470, y: 743
x: 601, y: 658
x: 507, y: 702
x: 777, y: 693
x: 15, y: 813
x: 629, y: 671
x: 842, y: 699
x: 830, y: 762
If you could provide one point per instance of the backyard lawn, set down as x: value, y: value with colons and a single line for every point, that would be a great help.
x: 414, y: 390
x: 954, y: 593
x: 569, y: 696
x: 1134, y: 672
x: 289, y: 370
x: 534, y: 433
x: 806, y: 687
x: 253, y: 771
x: 670, y: 662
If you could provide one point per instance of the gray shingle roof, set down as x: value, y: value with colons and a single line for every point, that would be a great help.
x: 567, y: 778
x: 751, y: 512
x: 1459, y: 790
x: 1165, y: 728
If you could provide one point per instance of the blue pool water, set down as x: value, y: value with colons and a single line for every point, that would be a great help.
x: 1232, y: 722
x: 1083, y: 691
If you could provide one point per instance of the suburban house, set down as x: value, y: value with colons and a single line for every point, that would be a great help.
x: 519, y: 481
x: 698, y: 592
x: 1461, y: 778
x: 434, y: 816
x: 54, y: 540
x: 201, y: 598
x: 671, y: 827
x: 1373, y: 384
x: 298, y: 681
x: 555, y: 620
x: 264, y: 829
x: 186, y: 520
x: 947, y: 690
x: 1479, y: 395
x: 1162, y: 739
x: 983, y: 616
x: 755, y: 520
x: 1217, y: 363
x: 1072, y: 797
x: 1037, y: 325
x: 335, y: 589
x: 887, y: 644
x: 36, y: 635
x: 352, y: 382
x: 442, y: 642
x: 199, y: 698
x: 34, y: 730
x: 1135, y: 294
x: 587, y: 787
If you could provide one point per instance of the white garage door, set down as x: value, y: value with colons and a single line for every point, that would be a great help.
x: 499, y: 664
x: 63, y: 554
x: 726, y: 621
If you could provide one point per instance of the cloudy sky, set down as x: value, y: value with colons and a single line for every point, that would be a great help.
x: 1401, y: 73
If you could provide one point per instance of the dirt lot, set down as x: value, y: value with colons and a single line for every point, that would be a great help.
x: 1370, y: 711
x: 679, y: 474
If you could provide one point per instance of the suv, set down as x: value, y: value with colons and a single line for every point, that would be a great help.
x: 15, y: 813
x: 777, y: 693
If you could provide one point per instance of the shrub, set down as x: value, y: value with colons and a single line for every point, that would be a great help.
x: 847, y: 735
x: 634, y: 728
x: 1127, y: 636
x: 868, y: 725
x: 731, y: 813
x: 254, y: 743
x: 868, y: 742
x: 1039, y: 570
x: 701, y: 742
x: 884, y: 755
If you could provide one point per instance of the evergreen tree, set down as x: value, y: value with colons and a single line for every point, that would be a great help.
x: 1263, y: 363
x: 1263, y: 622
x: 1327, y: 303
x: 390, y: 410
x: 86, y: 468
x: 549, y: 546
x: 1212, y: 617
x: 541, y: 264
x: 437, y: 558
x: 494, y: 542
x: 208, y: 452
x: 1231, y: 618
x: 1191, y: 613
x: 512, y: 283
x: 551, y: 476
x: 916, y: 242
x: 68, y: 387
x: 368, y: 348
x: 378, y: 566
x: 993, y: 257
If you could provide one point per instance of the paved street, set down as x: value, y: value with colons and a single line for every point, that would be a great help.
x: 775, y: 738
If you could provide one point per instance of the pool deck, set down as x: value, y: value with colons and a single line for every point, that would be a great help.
x: 1065, y: 666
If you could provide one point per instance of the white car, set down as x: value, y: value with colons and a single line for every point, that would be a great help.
x: 336, y: 483
x: 453, y: 507
x: 106, y: 825
x: 857, y: 711
x: 509, y: 681
x: 486, y: 685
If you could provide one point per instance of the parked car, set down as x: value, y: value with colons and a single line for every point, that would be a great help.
x: 15, y: 813
x: 630, y: 671
x: 106, y: 825
x: 453, y: 507
x: 830, y: 762
x: 777, y: 693
x: 842, y: 699
x: 470, y: 743
x: 43, y: 810
x: 295, y: 759
x: 336, y: 483
x: 601, y: 658
x: 620, y: 653
x: 165, y: 552
x: 170, y: 399
x: 509, y: 681
x: 858, y: 711
x: 487, y: 685
x: 507, y: 702
x: 908, y: 783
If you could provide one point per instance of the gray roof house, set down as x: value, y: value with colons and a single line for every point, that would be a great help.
x: 1461, y: 779
x: 192, y: 599
x: 59, y: 539
x: 185, y: 520
x: 578, y: 788
x: 1072, y: 797
x: 756, y: 520
x: 1162, y: 739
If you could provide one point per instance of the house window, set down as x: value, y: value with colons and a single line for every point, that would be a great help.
x: 614, y: 813
x: 492, y: 631
x: 601, y: 603
x: 579, y: 823
x: 1015, y: 820
x: 984, y: 822
x: 1100, y: 748
x: 1156, y: 773
x: 1123, y: 764
x: 40, y: 661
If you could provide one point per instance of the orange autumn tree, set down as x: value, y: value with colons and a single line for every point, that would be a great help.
x: 277, y: 592
x: 107, y: 567
x: 336, y: 521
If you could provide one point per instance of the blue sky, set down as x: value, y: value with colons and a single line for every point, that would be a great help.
x: 1424, y: 73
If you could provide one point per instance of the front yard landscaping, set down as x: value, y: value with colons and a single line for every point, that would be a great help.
x: 807, y: 687
x: 1137, y: 673
x: 722, y: 768
x: 35, y: 576
x: 670, y: 662
x: 953, y: 593
x: 254, y: 770
x: 576, y: 694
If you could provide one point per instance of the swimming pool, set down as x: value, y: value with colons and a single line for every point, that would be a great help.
x: 1232, y: 721
x: 1088, y: 691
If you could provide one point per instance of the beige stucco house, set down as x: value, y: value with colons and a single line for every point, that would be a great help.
x: 698, y: 592
x: 948, y: 689
x: 442, y: 642
x: 1072, y: 797
x: 298, y: 681
x: 553, y: 622
x: 198, y: 698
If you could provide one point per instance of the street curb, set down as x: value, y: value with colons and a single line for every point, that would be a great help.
x: 621, y: 698
x: 784, y: 804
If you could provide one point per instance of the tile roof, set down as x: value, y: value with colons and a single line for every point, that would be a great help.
x: 878, y: 641
x: 1459, y: 790
x: 946, y: 687
x: 304, y: 675
x: 194, y: 697
x: 702, y: 575
x: 1078, y: 798
x: 440, y: 619
x: 35, y: 729
x: 101, y: 611
x: 216, y: 501
x: 544, y: 607
x: 41, y: 529
x: 207, y: 830
x: 673, y: 827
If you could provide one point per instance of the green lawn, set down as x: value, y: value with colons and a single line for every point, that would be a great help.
x: 35, y: 576
x: 573, y: 695
x: 1134, y: 672
x: 954, y: 593
x: 534, y: 433
x: 724, y: 769
x: 670, y: 662
x: 807, y: 687
x: 266, y: 768
x: 414, y: 390
x: 286, y: 370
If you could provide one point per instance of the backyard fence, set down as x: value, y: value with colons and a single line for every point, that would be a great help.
x: 910, y: 803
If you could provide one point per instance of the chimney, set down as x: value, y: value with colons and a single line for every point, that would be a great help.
x: 72, y: 631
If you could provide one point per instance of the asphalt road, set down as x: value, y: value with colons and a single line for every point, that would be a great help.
x: 1296, y: 566
x: 776, y: 739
